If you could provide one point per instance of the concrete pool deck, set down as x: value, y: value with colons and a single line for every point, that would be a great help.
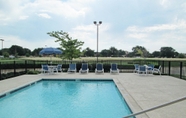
x: 140, y: 91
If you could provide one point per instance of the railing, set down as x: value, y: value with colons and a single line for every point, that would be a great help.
x: 156, y: 107
x: 173, y: 68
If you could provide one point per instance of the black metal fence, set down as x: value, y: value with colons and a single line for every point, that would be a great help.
x: 16, y: 68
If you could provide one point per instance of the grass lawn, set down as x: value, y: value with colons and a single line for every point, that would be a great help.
x: 93, y: 59
x: 104, y: 58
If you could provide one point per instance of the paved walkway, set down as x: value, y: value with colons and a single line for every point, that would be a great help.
x: 140, y: 91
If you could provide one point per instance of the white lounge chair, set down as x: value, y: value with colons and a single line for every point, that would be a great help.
x: 136, y: 67
x: 44, y: 68
x: 72, y: 68
x: 157, y: 70
x: 142, y: 70
x: 58, y: 68
x: 99, y: 68
x: 114, y: 68
x: 84, y: 68
x: 150, y: 68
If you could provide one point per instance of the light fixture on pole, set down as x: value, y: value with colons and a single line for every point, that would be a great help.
x: 97, y: 24
x: 2, y: 42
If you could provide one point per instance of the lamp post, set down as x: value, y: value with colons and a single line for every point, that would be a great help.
x: 2, y: 45
x: 97, y: 24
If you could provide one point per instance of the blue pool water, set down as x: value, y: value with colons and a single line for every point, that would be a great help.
x: 65, y: 99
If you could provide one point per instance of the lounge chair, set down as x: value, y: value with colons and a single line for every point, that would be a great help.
x: 150, y: 68
x: 72, y: 68
x: 84, y: 68
x: 44, y: 68
x: 58, y: 68
x: 136, y: 67
x: 157, y: 70
x: 114, y: 68
x: 99, y: 68
x: 142, y: 69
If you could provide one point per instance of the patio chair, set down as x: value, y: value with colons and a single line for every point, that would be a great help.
x: 99, y: 68
x: 72, y: 68
x: 150, y: 68
x: 142, y: 69
x: 114, y: 68
x: 136, y: 67
x: 157, y: 70
x: 44, y: 68
x: 84, y: 68
x: 58, y: 68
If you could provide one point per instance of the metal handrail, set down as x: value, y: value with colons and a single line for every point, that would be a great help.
x: 156, y: 107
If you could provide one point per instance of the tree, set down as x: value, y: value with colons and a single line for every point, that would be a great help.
x: 71, y: 47
x: 88, y: 52
x: 181, y: 55
x: 5, y: 54
x: 35, y: 52
x: 113, y: 51
x: 105, y: 53
x: 16, y: 50
x: 121, y: 53
x: 27, y: 52
x: 168, y: 52
x: 156, y: 54
x: 140, y: 51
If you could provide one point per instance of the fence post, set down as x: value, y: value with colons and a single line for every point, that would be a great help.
x: 162, y: 66
x: 34, y: 65
x: 25, y: 66
x: 0, y: 72
x: 169, y: 67
x: 14, y: 69
x: 181, y: 65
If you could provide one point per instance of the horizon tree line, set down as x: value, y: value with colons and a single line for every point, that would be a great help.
x: 137, y: 51
x: 72, y: 49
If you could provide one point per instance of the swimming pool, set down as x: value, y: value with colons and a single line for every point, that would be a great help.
x: 65, y: 99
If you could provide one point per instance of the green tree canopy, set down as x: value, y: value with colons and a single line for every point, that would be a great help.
x: 140, y: 51
x: 113, y: 51
x: 88, y: 52
x: 105, y: 53
x: 156, y: 54
x: 167, y: 52
x: 16, y: 50
x: 71, y: 47
x: 35, y: 52
x: 121, y: 53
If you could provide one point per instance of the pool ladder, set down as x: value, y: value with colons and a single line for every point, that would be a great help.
x: 156, y: 107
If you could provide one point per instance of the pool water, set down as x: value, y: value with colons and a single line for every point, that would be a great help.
x: 65, y: 99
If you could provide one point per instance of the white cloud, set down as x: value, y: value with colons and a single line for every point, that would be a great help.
x: 14, y: 40
x: 23, y: 17
x: 137, y: 35
x: 156, y: 24
x: 161, y: 35
x: 181, y: 24
x: 44, y: 15
x: 20, y: 10
x: 88, y: 34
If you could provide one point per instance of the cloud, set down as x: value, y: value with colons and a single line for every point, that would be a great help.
x: 160, y: 35
x: 20, y: 10
x: 88, y: 34
x: 23, y: 17
x: 44, y: 15
x: 10, y: 40
x: 151, y: 24
x: 160, y: 27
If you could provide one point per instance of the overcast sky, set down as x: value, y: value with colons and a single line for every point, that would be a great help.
x: 125, y: 23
